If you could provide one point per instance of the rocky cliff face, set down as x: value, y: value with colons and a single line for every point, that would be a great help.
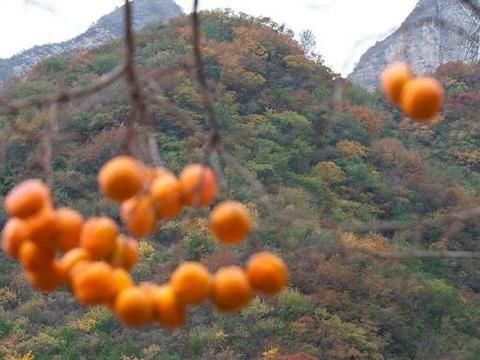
x: 108, y: 27
x: 436, y: 32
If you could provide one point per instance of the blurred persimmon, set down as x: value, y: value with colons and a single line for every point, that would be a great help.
x: 230, y: 222
x: 199, y: 185
x: 231, y: 289
x: 267, y: 273
x: 121, y: 178
x: 27, y: 198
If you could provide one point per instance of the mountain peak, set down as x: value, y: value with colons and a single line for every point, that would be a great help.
x: 434, y: 33
x: 108, y: 27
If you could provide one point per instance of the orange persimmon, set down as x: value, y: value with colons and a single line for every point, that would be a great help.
x: 138, y: 215
x: 69, y: 227
x: 231, y: 289
x: 134, y: 307
x: 393, y: 79
x: 99, y: 237
x: 14, y: 234
x: 27, y: 198
x: 47, y: 279
x: 93, y: 284
x: 34, y: 258
x: 230, y: 222
x: 422, y: 98
x: 42, y: 227
x: 168, y: 310
x: 267, y: 273
x: 166, y: 192
x: 71, y: 258
x: 190, y: 282
x: 199, y: 185
x: 125, y: 254
x: 121, y: 178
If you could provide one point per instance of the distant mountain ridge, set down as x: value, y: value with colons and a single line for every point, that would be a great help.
x: 435, y: 32
x: 106, y: 28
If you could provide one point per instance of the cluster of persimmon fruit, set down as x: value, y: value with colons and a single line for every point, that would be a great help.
x: 91, y: 257
x: 419, y: 97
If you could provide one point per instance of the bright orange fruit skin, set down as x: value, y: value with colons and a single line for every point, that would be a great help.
x: 35, y: 258
x: 134, y: 307
x: 125, y: 254
x: 230, y: 222
x: 72, y: 258
x: 422, y: 98
x: 42, y: 227
x: 166, y: 192
x: 27, y: 198
x: 69, y: 227
x: 168, y: 310
x: 93, y: 284
x: 190, y: 282
x: 99, y: 237
x: 267, y: 273
x: 48, y: 279
x: 138, y: 215
x: 14, y: 234
x: 393, y: 79
x: 154, y: 173
x: 121, y: 178
x: 199, y: 185
x: 231, y: 290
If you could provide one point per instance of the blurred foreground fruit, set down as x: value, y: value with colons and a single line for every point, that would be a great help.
x: 94, y: 284
x: 72, y: 258
x: 191, y: 282
x: 138, y: 215
x: 267, y: 273
x: 231, y: 289
x: 134, y: 307
x: 27, y: 199
x: 69, y: 225
x: 99, y: 237
x: 422, y: 98
x: 47, y: 279
x: 125, y: 254
x: 35, y: 258
x: 230, y: 222
x: 121, y: 178
x: 166, y: 192
x: 168, y: 310
x: 96, y: 259
x: 14, y: 234
x: 393, y: 79
x: 199, y: 185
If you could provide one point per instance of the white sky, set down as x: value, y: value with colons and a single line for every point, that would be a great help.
x: 344, y: 28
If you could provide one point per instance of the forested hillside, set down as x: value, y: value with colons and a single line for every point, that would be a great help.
x: 331, y: 184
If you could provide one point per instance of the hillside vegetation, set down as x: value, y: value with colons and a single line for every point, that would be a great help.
x: 327, y: 167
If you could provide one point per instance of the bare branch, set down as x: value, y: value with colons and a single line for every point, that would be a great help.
x: 47, y: 144
x: 153, y: 150
x: 137, y: 104
x: 428, y: 254
x: 214, y: 138
x: 64, y: 96
x: 402, y: 225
